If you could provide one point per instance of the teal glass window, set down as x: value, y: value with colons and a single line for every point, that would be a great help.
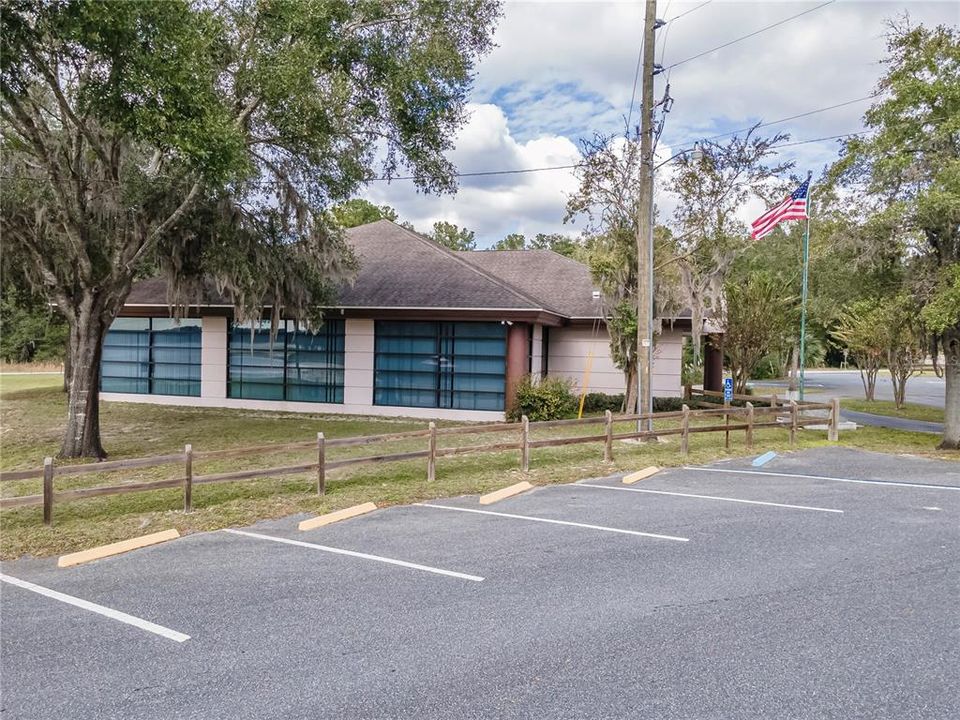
x: 458, y: 365
x: 153, y: 356
x: 297, y: 365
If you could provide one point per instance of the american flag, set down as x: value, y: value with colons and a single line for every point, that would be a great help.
x: 793, y: 207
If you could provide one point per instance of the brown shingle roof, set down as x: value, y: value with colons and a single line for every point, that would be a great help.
x: 403, y: 269
x: 561, y: 284
x: 400, y: 268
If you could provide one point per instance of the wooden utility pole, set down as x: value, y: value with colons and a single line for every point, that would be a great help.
x: 645, y: 218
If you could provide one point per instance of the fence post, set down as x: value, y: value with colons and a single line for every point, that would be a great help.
x: 524, y: 443
x: 726, y: 421
x: 608, y: 445
x: 685, y: 431
x: 432, y: 453
x: 47, y: 491
x: 833, y: 434
x: 187, y: 478
x: 749, y: 424
x: 773, y: 401
x: 793, y: 422
x: 687, y: 392
x: 321, y: 464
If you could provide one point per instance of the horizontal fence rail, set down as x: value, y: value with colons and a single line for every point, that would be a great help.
x: 729, y: 419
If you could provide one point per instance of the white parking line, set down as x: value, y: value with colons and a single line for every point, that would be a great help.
x: 364, y: 556
x: 824, y: 477
x: 555, y: 522
x: 710, y: 497
x: 99, y: 609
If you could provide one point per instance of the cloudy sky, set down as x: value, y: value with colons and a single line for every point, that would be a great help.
x: 564, y: 70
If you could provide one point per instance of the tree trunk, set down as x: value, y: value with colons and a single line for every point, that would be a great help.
x: 794, y: 369
x: 630, y: 401
x: 951, y: 374
x: 81, y: 437
x: 67, y: 362
x: 900, y: 389
x: 739, y: 381
x: 870, y: 387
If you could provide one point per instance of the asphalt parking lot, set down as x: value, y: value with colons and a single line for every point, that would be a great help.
x: 831, y: 593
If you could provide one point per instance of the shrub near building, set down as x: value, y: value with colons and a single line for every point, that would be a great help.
x: 550, y: 399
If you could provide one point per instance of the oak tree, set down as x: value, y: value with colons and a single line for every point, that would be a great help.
x: 207, y: 140
x: 909, y: 164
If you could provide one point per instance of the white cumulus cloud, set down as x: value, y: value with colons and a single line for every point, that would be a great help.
x: 494, y: 206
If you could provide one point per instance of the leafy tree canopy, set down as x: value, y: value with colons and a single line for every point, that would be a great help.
x: 208, y: 139
x: 908, y: 167
x: 360, y: 212
x: 707, y: 231
x: 560, y: 244
x: 454, y: 237
x: 513, y: 241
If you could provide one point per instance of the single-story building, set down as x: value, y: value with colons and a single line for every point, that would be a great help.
x: 423, y: 331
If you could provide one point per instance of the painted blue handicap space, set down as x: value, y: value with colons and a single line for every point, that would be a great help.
x: 764, y: 459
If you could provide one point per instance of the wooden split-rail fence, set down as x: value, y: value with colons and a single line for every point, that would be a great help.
x: 789, y: 416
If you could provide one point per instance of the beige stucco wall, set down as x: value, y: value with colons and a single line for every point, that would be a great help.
x: 567, y: 357
x: 213, y: 358
x: 357, y: 382
x: 668, y: 364
x: 358, y: 363
x: 569, y: 347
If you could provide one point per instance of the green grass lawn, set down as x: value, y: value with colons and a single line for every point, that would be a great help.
x: 32, y: 410
x: 910, y: 411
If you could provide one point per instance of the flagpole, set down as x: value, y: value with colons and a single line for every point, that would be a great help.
x: 803, y: 297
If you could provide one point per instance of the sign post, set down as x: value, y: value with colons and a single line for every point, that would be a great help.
x: 727, y: 397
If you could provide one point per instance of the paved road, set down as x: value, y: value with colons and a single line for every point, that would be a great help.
x: 922, y: 389
x: 892, y: 422
x: 789, y: 610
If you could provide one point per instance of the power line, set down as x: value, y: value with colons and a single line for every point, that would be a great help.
x: 483, y: 173
x: 636, y: 78
x: 792, y: 117
x: 487, y: 173
x: 688, y: 143
x: 570, y: 167
x: 750, y: 35
x: 663, y: 52
x: 821, y: 139
x: 687, y: 12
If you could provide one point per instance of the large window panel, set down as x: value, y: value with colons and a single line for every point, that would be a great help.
x: 176, y: 357
x: 156, y: 356
x: 440, y: 365
x: 297, y: 365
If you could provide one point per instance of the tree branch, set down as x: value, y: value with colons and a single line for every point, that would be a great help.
x: 65, y: 108
x: 171, y: 220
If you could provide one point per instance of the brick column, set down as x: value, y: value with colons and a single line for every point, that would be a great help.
x: 712, y: 364
x: 518, y: 347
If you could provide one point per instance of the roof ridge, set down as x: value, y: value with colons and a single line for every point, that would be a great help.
x: 510, y: 287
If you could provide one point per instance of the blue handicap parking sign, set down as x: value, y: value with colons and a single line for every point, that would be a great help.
x: 728, y: 389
